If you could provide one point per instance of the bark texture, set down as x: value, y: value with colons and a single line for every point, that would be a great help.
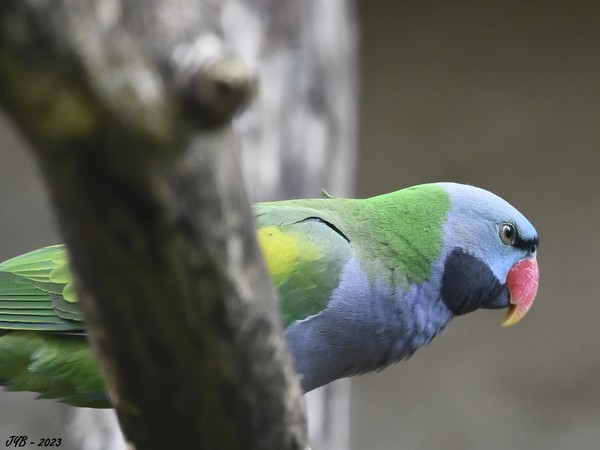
x: 129, y: 120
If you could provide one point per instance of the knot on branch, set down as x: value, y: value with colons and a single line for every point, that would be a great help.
x: 220, y: 89
x: 212, y: 85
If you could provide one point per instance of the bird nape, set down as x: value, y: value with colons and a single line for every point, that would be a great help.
x: 363, y: 283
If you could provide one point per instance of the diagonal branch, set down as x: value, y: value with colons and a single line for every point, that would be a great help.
x: 127, y: 108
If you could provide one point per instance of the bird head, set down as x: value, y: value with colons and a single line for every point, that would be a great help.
x: 490, y: 255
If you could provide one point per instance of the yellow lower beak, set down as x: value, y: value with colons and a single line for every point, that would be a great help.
x: 512, y: 317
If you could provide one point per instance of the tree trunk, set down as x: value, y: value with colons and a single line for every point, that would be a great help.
x: 297, y: 137
x: 129, y: 119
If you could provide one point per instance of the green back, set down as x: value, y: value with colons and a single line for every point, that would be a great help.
x: 395, y: 237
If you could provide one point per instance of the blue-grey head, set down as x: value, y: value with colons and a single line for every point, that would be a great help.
x: 490, y: 254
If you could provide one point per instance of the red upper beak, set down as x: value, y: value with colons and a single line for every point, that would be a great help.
x: 522, y: 282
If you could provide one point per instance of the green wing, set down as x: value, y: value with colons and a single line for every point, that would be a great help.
x: 305, y: 254
x: 42, y: 345
x: 57, y: 365
x: 36, y: 292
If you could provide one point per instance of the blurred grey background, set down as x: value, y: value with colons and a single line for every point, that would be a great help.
x: 503, y: 95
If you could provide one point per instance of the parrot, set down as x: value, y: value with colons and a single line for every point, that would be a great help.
x: 362, y: 284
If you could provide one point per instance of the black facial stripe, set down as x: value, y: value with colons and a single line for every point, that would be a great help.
x: 525, y: 244
x: 469, y: 284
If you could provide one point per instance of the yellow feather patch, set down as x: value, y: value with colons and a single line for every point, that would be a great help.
x: 282, y: 251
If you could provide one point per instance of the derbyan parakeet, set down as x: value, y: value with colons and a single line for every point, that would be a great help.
x: 363, y: 283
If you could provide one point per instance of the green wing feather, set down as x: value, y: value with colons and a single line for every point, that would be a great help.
x: 305, y: 254
x: 42, y: 345
x: 36, y: 292
x: 59, y: 366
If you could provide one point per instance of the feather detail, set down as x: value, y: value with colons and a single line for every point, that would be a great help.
x: 36, y: 292
x: 58, y: 366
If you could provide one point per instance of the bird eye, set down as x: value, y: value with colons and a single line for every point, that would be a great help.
x: 508, y: 233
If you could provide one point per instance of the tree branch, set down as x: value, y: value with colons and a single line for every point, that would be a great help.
x: 127, y: 105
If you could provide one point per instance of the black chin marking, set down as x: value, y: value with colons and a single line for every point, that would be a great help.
x: 469, y: 284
